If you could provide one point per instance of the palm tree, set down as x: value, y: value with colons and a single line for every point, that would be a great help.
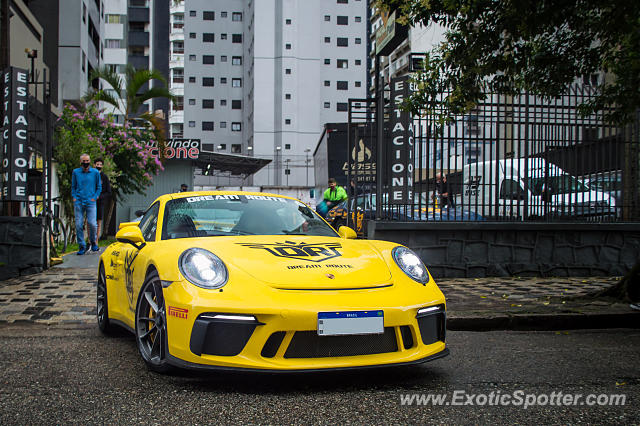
x: 129, y: 93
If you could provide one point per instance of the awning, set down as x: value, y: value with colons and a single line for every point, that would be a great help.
x: 213, y: 163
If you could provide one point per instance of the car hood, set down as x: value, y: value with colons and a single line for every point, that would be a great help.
x: 301, y: 262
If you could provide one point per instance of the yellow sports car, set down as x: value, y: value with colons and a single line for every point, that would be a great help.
x: 241, y: 280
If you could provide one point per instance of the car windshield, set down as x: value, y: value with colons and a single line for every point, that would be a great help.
x: 235, y: 214
x: 557, y: 184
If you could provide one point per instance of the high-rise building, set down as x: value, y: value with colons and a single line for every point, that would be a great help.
x: 176, y: 68
x: 262, y: 77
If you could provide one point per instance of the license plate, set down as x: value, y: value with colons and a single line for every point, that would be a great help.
x: 351, y: 322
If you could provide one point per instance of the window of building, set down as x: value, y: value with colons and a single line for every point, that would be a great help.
x: 178, y: 75
x: 288, y: 21
x: 343, y: 42
x: 287, y: 146
x: 192, y: 124
x: 236, y: 127
x: 223, y: 36
x: 327, y: 104
x: 236, y: 104
x: 223, y: 14
x: 342, y: 63
x: 84, y: 60
x: 223, y: 58
x: 222, y: 146
x: 327, y: 61
x: 341, y: 106
x: 192, y: 79
x: 207, y: 81
x: 223, y: 80
x: 236, y: 60
x: 192, y: 57
x: 192, y: 35
x: 192, y: 101
x: 178, y: 103
x: 327, y: 18
x: 236, y: 16
x: 342, y: 85
x: 223, y: 124
x: 287, y: 121
x: 114, y: 19
x: 113, y: 44
x: 287, y: 96
x: 327, y: 83
x: 358, y: 83
x: 208, y: 59
x: 223, y: 102
x: 236, y: 38
x: 84, y: 13
x: 327, y: 39
x: 287, y: 46
x: 207, y: 126
x: 208, y: 15
x: 358, y: 40
x: 343, y: 1
x: 287, y: 71
x: 358, y: 19
x: 192, y: 13
x: 236, y: 82
x: 207, y: 104
x: 208, y: 37
x: 358, y: 62
x: 236, y: 148
x: 342, y: 20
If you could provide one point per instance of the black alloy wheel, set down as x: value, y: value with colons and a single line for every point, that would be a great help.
x: 102, y: 304
x: 151, y: 326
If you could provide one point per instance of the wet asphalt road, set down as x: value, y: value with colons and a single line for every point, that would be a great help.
x: 75, y: 375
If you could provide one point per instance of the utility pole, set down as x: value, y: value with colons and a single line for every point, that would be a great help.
x: 306, y: 151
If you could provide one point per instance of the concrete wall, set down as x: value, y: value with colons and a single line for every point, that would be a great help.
x: 514, y: 249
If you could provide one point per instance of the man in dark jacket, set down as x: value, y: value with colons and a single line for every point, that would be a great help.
x: 105, y: 195
x: 443, y: 190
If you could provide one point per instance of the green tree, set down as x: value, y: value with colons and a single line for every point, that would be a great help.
x: 127, y: 161
x: 539, y: 46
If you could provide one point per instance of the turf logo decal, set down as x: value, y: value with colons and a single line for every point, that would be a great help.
x: 177, y: 312
x: 318, y: 252
x: 128, y: 273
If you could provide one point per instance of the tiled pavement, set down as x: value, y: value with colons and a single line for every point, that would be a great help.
x: 67, y: 295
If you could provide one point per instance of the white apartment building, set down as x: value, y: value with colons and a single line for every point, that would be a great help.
x: 81, y: 25
x: 176, y: 68
x: 115, y: 43
x: 263, y: 76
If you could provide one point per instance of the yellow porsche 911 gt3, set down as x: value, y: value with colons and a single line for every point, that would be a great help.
x: 239, y: 280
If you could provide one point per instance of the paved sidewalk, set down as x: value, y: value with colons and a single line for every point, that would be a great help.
x: 63, y: 295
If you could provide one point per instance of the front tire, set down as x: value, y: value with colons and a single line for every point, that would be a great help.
x: 102, y: 303
x: 151, y: 326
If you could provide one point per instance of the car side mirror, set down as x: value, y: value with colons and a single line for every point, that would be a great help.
x: 139, y: 213
x: 131, y: 235
x: 126, y: 224
x: 347, y: 233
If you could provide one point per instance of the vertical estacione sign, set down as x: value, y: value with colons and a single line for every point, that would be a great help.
x: 400, y: 151
x: 15, y: 156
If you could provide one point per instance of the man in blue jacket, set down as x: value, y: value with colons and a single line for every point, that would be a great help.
x: 86, y: 187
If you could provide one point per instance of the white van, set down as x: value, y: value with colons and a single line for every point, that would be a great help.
x: 528, y: 188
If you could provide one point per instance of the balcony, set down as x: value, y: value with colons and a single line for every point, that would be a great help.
x: 138, y: 14
x: 138, y: 38
x: 176, y: 117
x: 139, y: 62
x: 176, y: 61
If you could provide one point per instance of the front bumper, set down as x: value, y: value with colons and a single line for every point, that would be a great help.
x: 219, y: 330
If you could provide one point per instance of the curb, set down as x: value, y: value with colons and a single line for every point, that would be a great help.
x: 543, y: 322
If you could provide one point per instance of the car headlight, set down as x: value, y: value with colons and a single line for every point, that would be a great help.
x: 410, y: 264
x: 203, y: 268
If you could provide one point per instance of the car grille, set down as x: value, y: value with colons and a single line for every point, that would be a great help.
x: 432, y: 328
x: 307, y: 344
